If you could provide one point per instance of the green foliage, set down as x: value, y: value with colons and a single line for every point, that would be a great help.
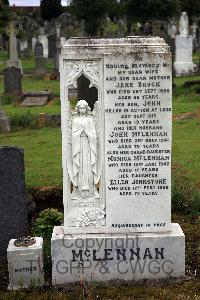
x: 4, y: 14
x: 137, y: 10
x: 191, y: 7
x: 185, y: 195
x: 7, y: 99
x: 43, y: 227
x: 50, y: 9
x: 46, y: 221
x: 26, y: 120
x: 93, y: 13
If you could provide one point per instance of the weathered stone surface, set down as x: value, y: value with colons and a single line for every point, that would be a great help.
x: 133, y: 78
x: 40, y: 65
x: 13, y: 210
x: 38, y: 49
x: 112, y: 256
x: 25, y: 265
x: 183, y: 61
x: 36, y: 98
x: 13, y: 54
x: 4, y: 121
x: 52, y: 46
x: 35, y: 101
x: 12, y: 81
x: 117, y: 163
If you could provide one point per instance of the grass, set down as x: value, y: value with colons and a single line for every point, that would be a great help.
x: 27, y: 63
x: 36, y: 84
x: 186, y: 146
x: 42, y: 149
x: 52, y: 108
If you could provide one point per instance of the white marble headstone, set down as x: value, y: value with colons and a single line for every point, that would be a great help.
x: 25, y: 265
x: 117, y: 164
x: 133, y: 114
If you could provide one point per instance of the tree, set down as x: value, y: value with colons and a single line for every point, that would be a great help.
x: 137, y: 10
x: 92, y: 12
x: 4, y: 14
x: 191, y: 7
x: 50, y: 9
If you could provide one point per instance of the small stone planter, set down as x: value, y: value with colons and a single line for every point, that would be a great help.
x: 25, y: 265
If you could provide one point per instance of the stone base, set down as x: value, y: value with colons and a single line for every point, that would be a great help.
x: 128, y: 256
x: 25, y: 265
x: 15, y: 63
x: 4, y: 125
x: 184, y: 68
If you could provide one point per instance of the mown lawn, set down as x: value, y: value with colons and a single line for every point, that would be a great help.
x: 35, y: 84
x: 42, y: 149
x: 27, y: 63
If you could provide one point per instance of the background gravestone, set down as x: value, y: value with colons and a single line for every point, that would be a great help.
x: 38, y: 49
x: 13, y: 209
x: 52, y: 46
x: 4, y: 121
x: 40, y: 65
x: 12, y: 80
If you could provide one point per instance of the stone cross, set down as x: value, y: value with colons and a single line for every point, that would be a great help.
x: 13, y: 54
x: 194, y: 30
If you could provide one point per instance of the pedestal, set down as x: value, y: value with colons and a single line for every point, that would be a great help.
x: 4, y: 124
x: 25, y: 265
x: 124, y: 256
x: 183, y: 62
x: 15, y: 63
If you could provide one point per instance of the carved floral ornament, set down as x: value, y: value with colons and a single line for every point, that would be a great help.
x: 76, y: 68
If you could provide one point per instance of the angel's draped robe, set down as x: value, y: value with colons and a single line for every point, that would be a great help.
x: 84, y: 155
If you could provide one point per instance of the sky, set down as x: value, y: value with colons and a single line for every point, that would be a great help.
x: 29, y: 2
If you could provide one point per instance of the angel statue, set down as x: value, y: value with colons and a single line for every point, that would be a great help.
x: 84, y: 153
x: 183, y: 24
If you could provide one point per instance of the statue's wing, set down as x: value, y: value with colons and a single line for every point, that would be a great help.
x: 69, y: 142
x: 98, y: 124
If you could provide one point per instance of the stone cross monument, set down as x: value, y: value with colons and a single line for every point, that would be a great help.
x: 116, y: 163
x: 13, y: 54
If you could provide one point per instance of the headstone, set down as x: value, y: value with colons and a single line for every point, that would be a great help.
x: 40, y: 62
x: 38, y: 49
x: 23, y: 45
x: 51, y: 46
x: 34, y: 40
x: 25, y: 265
x: 26, y: 53
x: 37, y: 98
x: 63, y: 40
x: 13, y: 210
x: 58, y: 49
x: 4, y: 121
x: 183, y: 64
x: 13, y: 54
x: 183, y: 25
x: 117, y: 164
x: 1, y: 42
x: 194, y: 28
x: 12, y: 80
x: 44, y: 41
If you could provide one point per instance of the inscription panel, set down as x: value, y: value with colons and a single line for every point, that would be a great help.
x: 137, y: 95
